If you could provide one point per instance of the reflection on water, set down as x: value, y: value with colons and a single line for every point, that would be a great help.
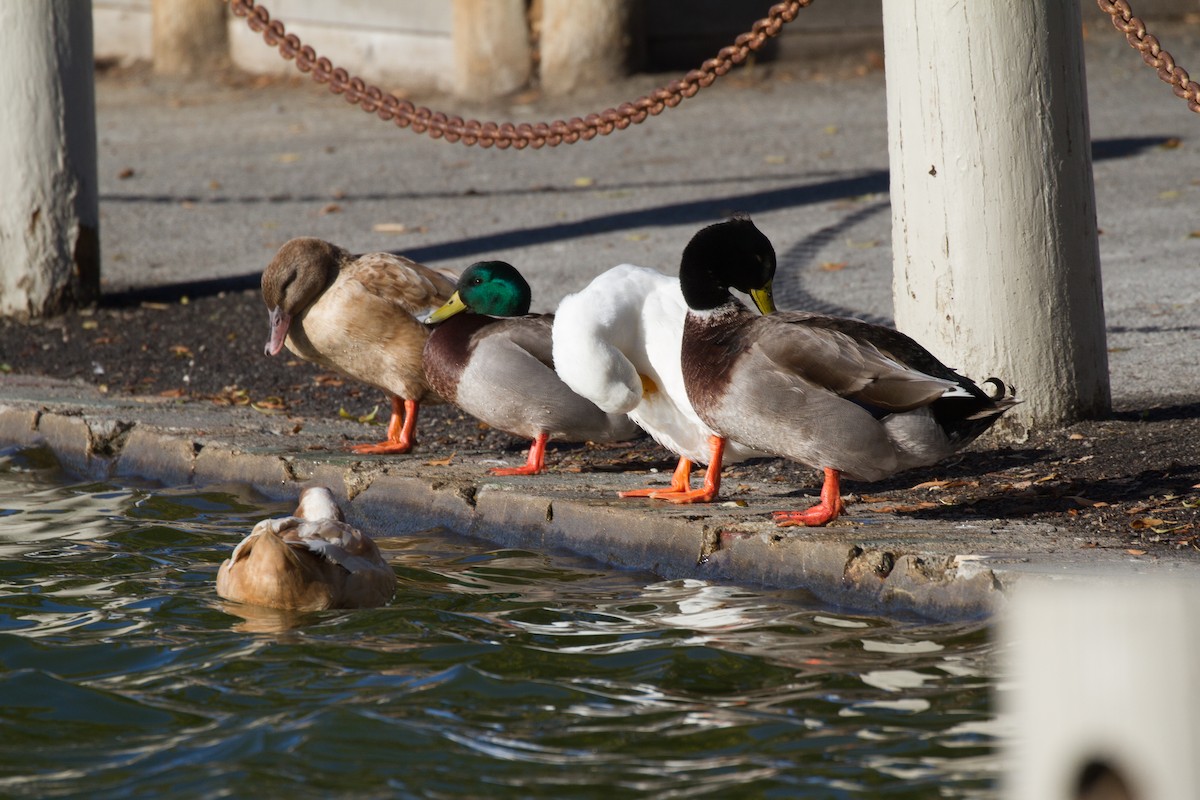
x: 493, y: 673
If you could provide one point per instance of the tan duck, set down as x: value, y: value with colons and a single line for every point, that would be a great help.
x: 355, y: 315
x: 495, y: 363
x: 309, y: 561
x: 837, y: 394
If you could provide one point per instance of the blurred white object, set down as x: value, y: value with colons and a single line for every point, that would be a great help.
x: 1103, y: 697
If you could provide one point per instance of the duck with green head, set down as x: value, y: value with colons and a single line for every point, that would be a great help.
x: 838, y: 394
x: 492, y: 358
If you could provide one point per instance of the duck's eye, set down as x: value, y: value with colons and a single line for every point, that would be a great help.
x: 476, y: 281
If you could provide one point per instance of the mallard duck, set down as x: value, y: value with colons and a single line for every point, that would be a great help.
x: 355, y: 315
x: 837, y: 394
x: 617, y: 342
x: 495, y: 363
x: 309, y: 561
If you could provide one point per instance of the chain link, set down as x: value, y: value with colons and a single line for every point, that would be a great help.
x: 1152, y: 53
x: 387, y: 106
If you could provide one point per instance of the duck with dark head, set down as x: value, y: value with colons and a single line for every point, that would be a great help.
x: 840, y: 395
x: 492, y: 358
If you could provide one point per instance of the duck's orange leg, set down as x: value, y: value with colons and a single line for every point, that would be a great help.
x: 681, y: 481
x: 823, y: 512
x: 401, y: 428
x: 533, y: 464
x: 712, y: 479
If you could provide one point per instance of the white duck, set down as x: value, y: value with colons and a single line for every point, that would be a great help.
x: 310, y: 561
x: 617, y: 342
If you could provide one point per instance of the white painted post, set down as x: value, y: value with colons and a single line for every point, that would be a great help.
x: 996, y: 263
x: 492, y: 54
x: 189, y: 36
x: 1102, y: 673
x: 50, y: 215
x: 584, y: 42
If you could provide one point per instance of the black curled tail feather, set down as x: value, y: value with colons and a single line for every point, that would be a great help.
x: 965, y: 418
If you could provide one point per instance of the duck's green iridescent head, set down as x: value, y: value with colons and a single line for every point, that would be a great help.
x: 488, y: 287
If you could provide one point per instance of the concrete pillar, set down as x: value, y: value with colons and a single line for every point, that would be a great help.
x: 1100, y: 689
x: 50, y: 216
x: 189, y: 35
x: 585, y: 42
x: 996, y: 263
x: 492, y: 54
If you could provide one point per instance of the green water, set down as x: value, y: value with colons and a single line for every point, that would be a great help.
x: 493, y: 674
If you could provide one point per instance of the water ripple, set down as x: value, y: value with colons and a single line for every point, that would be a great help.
x: 493, y: 673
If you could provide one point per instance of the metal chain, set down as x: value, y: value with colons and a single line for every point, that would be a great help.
x: 1152, y: 53
x: 387, y: 106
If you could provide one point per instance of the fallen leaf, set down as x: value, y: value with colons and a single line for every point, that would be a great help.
x: 637, y: 237
x: 90, y: 325
x: 945, y: 484
x: 287, y: 158
x: 172, y: 393
x: 270, y: 404
x: 1147, y: 522
x: 583, y: 183
x: 441, y: 462
x: 1083, y: 501
x: 902, y: 509
x: 1172, y: 143
x: 390, y: 227
x: 833, y: 266
x: 1133, y: 552
x: 1194, y: 235
x: 155, y: 306
x: 1169, y: 194
x: 365, y: 419
x: 332, y: 208
x: 125, y: 174
x: 324, y: 379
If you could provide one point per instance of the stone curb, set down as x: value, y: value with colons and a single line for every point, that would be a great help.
x: 894, y: 566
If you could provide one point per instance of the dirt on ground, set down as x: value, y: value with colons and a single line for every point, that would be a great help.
x: 1131, y: 481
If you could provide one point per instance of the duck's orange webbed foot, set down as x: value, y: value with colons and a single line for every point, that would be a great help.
x: 824, y: 512
x: 533, y: 465
x: 400, y: 432
x: 712, y: 479
x: 680, y: 482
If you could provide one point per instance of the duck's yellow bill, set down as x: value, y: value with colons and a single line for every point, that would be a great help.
x: 447, y: 309
x: 764, y: 299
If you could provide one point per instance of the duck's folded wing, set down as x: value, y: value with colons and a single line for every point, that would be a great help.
x: 844, y: 359
x: 406, y: 284
x: 339, y: 542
